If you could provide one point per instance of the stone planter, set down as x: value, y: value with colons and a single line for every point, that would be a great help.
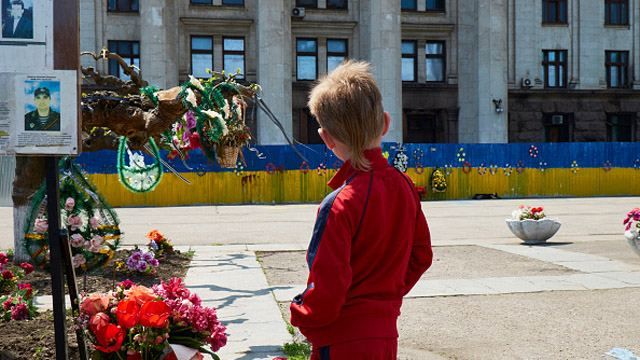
x: 634, y: 241
x: 533, y: 231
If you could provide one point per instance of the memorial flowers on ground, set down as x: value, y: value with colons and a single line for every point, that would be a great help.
x: 159, y: 244
x: 138, y: 322
x: 16, y: 298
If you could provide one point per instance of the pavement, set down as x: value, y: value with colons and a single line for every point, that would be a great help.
x: 588, y: 261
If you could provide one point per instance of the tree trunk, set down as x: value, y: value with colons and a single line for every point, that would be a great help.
x: 30, y: 174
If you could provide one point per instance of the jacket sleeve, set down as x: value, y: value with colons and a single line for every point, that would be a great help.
x: 329, y: 278
x: 421, y: 253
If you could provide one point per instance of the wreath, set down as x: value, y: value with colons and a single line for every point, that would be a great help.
x: 461, y: 155
x: 542, y: 165
x: 482, y: 169
x: 507, y: 170
x: 493, y: 169
x: 533, y: 151
x: 574, y: 167
x: 92, y: 225
x: 438, y: 181
x: 136, y: 176
x: 466, y: 167
x: 448, y: 169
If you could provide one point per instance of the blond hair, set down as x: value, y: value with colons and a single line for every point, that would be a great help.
x: 347, y: 103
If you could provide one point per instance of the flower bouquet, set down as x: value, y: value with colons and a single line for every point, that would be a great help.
x: 136, y: 322
x: 632, y: 229
x: 531, y: 224
x: 16, y: 299
x: 159, y: 244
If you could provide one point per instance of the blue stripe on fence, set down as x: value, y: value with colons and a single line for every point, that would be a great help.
x: 281, y: 157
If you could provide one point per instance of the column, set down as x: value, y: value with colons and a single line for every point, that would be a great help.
x: 482, y: 33
x: 158, y: 42
x: 273, y: 30
x: 381, y: 42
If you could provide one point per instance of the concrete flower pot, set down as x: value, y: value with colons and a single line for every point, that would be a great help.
x: 533, y: 231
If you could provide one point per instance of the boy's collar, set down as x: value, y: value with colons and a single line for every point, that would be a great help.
x: 346, y: 170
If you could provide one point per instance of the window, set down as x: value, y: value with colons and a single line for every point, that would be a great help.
x: 129, y: 51
x: 620, y: 127
x: 202, y: 2
x: 421, y: 128
x: 558, y: 127
x: 336, y: 53
x: 338, y: 4
x: 409, y: 60
x: 233, y: 56
x: 554, y: 11
x: 306, y: 59
x: 435, y: 5
x: 555, y: 68
x: 201, y: 56
x: 409, y: 5
x: 617, y: 64
x: 307, y: 3
x: 233, y: 2
x: 434, y: 51
x: 616, y: 12
x: 123, y: 5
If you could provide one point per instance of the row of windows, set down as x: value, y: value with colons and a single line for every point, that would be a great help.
x: 134, y: 5
x: 560, y: 127
x: 554, y: 64
x: 616, y: 12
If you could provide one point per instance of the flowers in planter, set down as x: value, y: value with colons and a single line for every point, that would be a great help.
x: 142, y: 262
x: 632, y: 224
x: 136, y: 322
x: 159, y: 244
x: 528, y: 212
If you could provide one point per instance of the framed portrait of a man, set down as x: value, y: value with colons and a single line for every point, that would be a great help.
x: 17, y: 19
x: 42, y: 113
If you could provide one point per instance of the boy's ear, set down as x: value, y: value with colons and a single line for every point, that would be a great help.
x: 387, y: 122
x: 327, y: 138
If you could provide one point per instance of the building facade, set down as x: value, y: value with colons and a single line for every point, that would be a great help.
x: 484, y: 71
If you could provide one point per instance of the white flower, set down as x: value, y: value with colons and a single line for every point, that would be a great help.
x: 191, y: 98
x: 195, y: 82
x: 227, y: 109
x: 212, y: 114
x: 225, y: 130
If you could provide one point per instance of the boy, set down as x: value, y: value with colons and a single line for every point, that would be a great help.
x: 371, y: 242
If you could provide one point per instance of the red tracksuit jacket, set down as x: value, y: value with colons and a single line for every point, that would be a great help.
x: 370, y: 246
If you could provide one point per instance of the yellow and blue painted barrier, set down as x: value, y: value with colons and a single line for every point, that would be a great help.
x: 508, y: 170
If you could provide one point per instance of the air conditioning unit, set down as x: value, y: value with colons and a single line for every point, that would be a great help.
x: 557, y: 119
x: 297, y: 12
x: 526, y: 83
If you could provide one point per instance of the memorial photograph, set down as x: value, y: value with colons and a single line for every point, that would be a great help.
x: 42, y: 109
x: 17, y: 19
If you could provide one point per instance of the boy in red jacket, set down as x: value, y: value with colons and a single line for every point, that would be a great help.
x: 371, y: 241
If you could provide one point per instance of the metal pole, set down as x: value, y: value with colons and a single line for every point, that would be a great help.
x: 56, y: 262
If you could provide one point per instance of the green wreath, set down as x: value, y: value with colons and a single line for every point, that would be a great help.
x: 438, y: 181
x: 92, y: 225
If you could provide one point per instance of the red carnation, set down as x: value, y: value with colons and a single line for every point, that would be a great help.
x: 7, y: 275
x: 28, y: 268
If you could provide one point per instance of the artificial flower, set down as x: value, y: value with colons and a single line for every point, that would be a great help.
x: 75, y: 222
x: 127, y: 313
x: 155, y: 314
x: 41, y: 226
x: 20, y: 312
x: 78, y: 260
x: 99, y: 321
x: 191, y: 98
x: 29, y: 290
x: 94, y: 223
x: 195, y: 82
x: 155, y: 235
x: 7, y: 274
x: 95, y: 303
x: 109, y: 338
x: 69, y: 204
x: 77, y: 240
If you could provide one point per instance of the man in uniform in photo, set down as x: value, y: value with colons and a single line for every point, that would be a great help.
x: 43, y: 118
x: 17, y: 24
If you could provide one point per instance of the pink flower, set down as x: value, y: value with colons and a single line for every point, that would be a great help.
x: 94, y: 223
x: 126, y: 284
x: 41, y: 226
x: 78, y: 260
x: 20, y: 312
x: 69, y: 204
x: 218, y: 338
x: 3, y: 259
x: 95, y: 303
x: 95, y: 243
x: 75, y: 222
x: 26, y: 286
x: 77, y: 240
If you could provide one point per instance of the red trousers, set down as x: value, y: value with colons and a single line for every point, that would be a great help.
x: 365, y: 349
